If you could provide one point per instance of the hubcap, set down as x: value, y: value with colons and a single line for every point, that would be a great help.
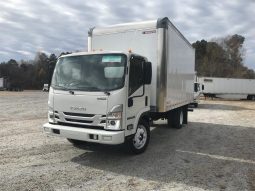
x: 140, y: 137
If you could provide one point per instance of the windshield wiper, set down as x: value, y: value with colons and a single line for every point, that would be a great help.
x: 81, y: 88
x: 64, y: 88
x: 59, y: 87
x: 94, y: 89
x: 86, y: 88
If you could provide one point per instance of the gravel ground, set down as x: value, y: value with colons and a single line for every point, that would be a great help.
x: 215, y: 151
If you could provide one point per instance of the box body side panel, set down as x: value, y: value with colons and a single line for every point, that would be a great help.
x: 180, y: 71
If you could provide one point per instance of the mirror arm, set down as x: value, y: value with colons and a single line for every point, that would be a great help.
x: 142, y: 93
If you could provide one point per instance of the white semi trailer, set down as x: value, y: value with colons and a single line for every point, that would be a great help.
x: 228, y: 88
x: 132, y: 74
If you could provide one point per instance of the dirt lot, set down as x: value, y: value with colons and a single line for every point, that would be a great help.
x: 215, y: 151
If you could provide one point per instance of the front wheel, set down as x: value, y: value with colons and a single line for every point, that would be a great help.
x: 141, y: 138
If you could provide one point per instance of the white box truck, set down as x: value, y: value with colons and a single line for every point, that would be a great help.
x: 228, y: 88
x: 133, y: 73
x: 1, y: 83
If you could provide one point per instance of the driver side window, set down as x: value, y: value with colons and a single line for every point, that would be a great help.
x: 135, y: 74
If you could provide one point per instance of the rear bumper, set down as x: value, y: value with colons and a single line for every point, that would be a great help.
x: 89, y: 135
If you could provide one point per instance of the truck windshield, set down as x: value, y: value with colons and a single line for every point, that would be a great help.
x: 98, y: 72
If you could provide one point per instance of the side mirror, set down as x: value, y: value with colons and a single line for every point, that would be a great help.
x: 147, y: 72
x: 203, y: 87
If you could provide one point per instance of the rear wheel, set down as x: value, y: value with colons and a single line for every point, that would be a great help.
x: 140, y: 141
x: 175, y: 118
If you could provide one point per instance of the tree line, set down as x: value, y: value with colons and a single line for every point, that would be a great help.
x: 31, y: 74
x: 221, y: 57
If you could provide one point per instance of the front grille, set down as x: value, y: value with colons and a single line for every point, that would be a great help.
x: 79, y: 114
x: 81, y: 126
x: 83, y: 120
x: 78, y: 120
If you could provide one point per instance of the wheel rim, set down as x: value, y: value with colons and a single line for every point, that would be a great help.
x: 181, y: 118
x: 140, y: 137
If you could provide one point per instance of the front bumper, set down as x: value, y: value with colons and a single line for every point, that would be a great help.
x: 83, y: 134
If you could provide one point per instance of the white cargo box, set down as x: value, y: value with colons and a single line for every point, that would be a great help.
x: 172, y: 57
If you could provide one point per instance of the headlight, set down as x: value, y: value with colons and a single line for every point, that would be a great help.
x: 51, y: 116
x: 114, y: 118
x: 114, y: 115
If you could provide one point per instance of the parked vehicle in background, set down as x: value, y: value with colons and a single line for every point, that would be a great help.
x: 2, y: 84
x: 145, y: 72
x: 228, y: 88
x: 6, y: 84
x: 198, y: 89
x: 45, y: 87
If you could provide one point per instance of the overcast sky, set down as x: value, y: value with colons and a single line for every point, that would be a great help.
x: 53, y: 26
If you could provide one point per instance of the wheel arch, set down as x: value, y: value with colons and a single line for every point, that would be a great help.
x: 145, y: 117
x: 144, y: 114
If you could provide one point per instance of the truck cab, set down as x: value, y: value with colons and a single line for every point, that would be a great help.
x: 101, y: 97
x: 198, y: 89
x: 45, y: 87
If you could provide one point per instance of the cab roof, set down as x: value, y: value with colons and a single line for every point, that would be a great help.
x: 99, y: 52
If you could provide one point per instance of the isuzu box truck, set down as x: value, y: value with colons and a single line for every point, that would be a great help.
x: 132, y: 74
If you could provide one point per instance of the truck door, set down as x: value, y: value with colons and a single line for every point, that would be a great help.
x: 136, y: 91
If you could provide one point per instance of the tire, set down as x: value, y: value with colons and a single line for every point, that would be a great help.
x: 170, y: 119
x: 140, y: 141
x: 176, y: 118
x: 76, y: 142
x: 253, y: 97
x: 185, y: 115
